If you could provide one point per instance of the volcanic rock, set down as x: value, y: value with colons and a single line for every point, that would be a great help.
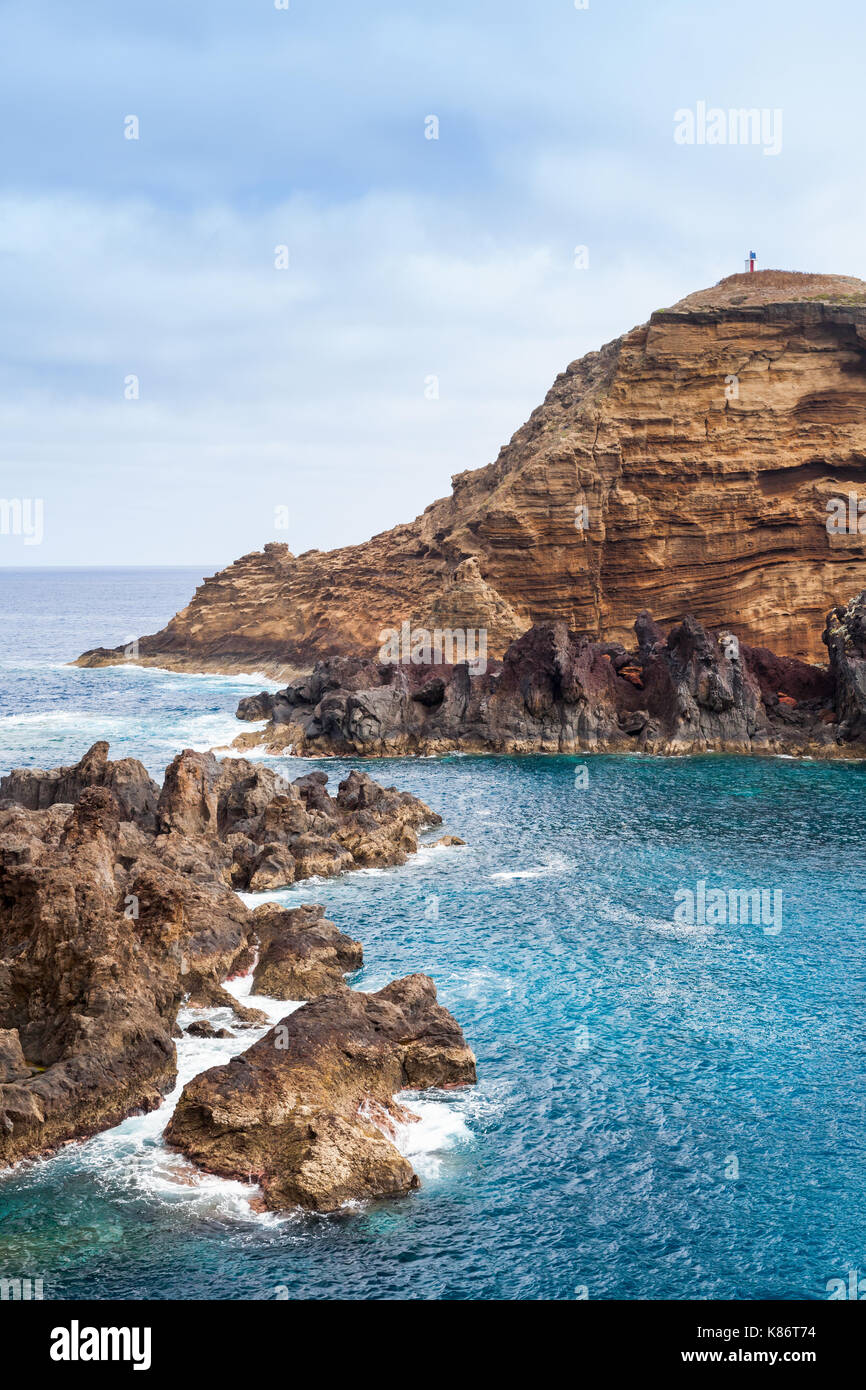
x: 845, y: 637
x: 93, y: 993
x: 302, y: 1112
x: 689, y: 689
x: 203, y: 1028
x: 264, y: 832
x: 303, y: 954
x: 36, y: 790
x: 119, y: 902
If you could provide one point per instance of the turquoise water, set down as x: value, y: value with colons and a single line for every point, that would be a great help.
x: 664, y: 1110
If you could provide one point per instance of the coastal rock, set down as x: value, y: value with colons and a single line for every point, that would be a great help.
x: 202, y: 1028
x: 845, y: 637
x: 302, y: 1112
x: 92, y: 993
x: 117, y: 905
x: 202, y: 991
x: 687, y: 689
x: 262, y: 832
x: 36, y: 790
x: 12, y: 1064
x: 686, y: 467
x: 303, y: 954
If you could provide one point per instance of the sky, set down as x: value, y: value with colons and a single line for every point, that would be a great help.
x: 175, y: 389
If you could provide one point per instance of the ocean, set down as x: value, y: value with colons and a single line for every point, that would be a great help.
x: 666, y: 1108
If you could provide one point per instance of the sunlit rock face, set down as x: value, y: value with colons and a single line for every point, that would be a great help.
x: 686, y: 467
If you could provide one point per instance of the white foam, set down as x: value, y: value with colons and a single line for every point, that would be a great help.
x: 221, y: 679
x: 133, y: 1156
x: 133, y: 1159
x: 521, y: 873
x: 678, y: 931
x: 555, y: 865
x: 52, y: 719
x: 440, y: 1127
x: 275, y: 1009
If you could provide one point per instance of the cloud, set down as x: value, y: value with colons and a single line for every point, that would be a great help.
x: 409, y: 258
x: 260, y: 387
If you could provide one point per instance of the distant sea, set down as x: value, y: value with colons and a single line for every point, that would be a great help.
x: 664, y: 1110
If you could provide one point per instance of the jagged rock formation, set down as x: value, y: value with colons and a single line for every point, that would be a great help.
x: 302, y: 955
x: 239, y: 821
x: 136, y: 792
x: 845, y: 636
x: 684, y: 468
x: 688, y: 690
x: 117, y: 904
x: 307, y: 1110
x: 91, y: 995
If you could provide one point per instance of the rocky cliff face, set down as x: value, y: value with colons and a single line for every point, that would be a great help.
x: 685, y: 467
x: 691, y: 689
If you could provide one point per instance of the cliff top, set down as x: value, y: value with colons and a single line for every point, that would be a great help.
x: 753, y: 288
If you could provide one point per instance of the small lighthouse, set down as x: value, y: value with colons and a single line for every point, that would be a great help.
x: 750, y: 263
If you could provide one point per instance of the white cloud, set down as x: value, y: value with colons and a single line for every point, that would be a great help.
x: 409, y: 258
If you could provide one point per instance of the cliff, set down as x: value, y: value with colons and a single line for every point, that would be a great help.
x: 685, y: 467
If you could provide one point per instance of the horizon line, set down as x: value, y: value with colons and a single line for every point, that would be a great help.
x: 29, y: 569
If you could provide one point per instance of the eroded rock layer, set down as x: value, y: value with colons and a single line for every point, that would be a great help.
x: 686, y: 467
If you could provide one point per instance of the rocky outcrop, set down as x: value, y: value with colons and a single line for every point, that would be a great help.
x: 689, y: 689
x: 91, y: 992
x: 128, y: 779
x: 13, y: 1067
x: 685, y: 468
x: 112, y: 911
x: 302, y: 955
x: 264, y: 832
x: 308, y: 1110
x: 202, y: 1028
x: 845, y: 636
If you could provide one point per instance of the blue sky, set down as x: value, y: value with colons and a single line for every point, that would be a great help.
x: 308, y: 389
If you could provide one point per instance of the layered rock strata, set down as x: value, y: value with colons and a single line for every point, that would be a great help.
x: 686, y: 467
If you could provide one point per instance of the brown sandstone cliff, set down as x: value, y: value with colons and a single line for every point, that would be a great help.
x: 703, y: 447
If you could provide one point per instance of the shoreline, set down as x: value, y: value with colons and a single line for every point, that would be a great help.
x: 817, y: 754
x: 188, y: 666
x: 157, y: 876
